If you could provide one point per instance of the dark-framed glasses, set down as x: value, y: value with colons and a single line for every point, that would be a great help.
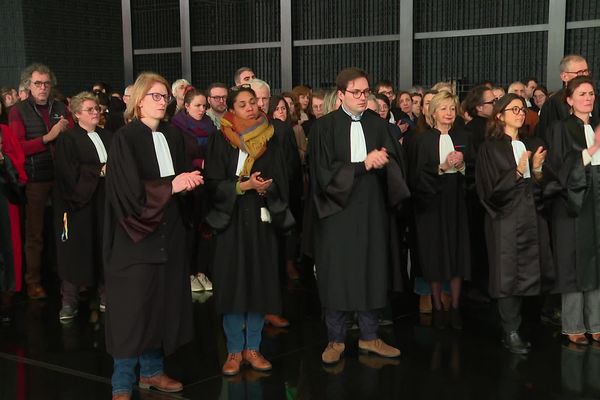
x: 159, y: 96
x: 40, y: 84
x: 357, y: 93
x: 581, y: 72
x: 491, y: 102
x: 219, y: 98
x: 516, y: 110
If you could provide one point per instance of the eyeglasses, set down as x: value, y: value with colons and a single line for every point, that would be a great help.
x: 387, y: 93
x: 219, y: 98
x: 40, y: 84
x: 357, y: 93
x: 159, y: 96
x: 516, y: 110
x: 492, y: 102
x: 581, y: 72
x: 92, y: 110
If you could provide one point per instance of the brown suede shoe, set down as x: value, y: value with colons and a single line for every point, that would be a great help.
x: 161, y: 382
x: 425, y: 306
x: 578, y: 339
x: 36, y: 292
x: 232, y: 365
x: 333, y: 352
x: 596, y: 337
x: 277, y: 321
x: 378, y: 347
x: 121, y: 396
x: 256, y: 360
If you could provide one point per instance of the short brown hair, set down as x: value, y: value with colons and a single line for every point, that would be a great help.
x: 78, y: 100
x: 142, y: 85
x: 347, y: 75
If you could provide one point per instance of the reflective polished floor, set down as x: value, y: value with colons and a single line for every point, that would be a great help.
x: 41, y: 358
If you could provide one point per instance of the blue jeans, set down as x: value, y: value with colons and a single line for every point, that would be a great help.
x: 234, y: 324
x: 422, y: 287
x: 123, y: 377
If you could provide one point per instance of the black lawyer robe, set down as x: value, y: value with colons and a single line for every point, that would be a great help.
x: 516, y: 235
x: 353, y: 208
x: 80, y: 193
x: 574, y: 192
x: 147, y: 282
x: 244, y: 265
x: 440, y: 210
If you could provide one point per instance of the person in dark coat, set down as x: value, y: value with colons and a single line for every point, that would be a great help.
x: 148, y: 301
x: 80, y: 166
x: 436, y: 178
x: 357, y: 181
x: 574, y: 192
x: 197, y: 128
x: 516, y: 235
x: 247, y: 182
x: 12, y: 196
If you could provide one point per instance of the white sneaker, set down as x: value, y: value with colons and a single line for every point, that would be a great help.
x: 196, y: 285
x: 204, y: 281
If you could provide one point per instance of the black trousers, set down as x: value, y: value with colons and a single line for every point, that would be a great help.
x: 368, y: 323
x: 510, y: 313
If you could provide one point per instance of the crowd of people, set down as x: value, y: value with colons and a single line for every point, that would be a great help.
x: 167, y: 189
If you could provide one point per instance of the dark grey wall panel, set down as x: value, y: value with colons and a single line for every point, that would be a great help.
x: 585, y: 42
x: 321, y: 19
x: 582, y: 10
x: 318, y: 66
x: 81, y: 44
x: 12, y: 45
x: 219, y: 66
x: 215, y: 22
x: 436, y: 15
x: 155, y: 23
x: 167, y: 65
x: 500, y: 58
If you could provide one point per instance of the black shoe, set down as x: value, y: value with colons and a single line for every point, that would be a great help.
x: 551, y: 318
x: 439, y: 320
x: 513, y: 343
x: 456, y: 318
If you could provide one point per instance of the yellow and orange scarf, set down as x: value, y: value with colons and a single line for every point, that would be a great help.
x: 250, y: 136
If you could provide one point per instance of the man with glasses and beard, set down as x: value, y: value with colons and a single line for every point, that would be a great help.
x: 37, y: 122
x: 217, y: 99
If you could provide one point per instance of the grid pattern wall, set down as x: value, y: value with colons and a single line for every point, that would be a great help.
x: 470, y: 60
x: 167, y: 65
x: 154, y: 23
x: 321, y: 19
x: 582, y: 10
x: 84, y: 48
x: 436, y: 15
x: 12, y: 46
x: 219, y: 66
x: 214, y: 22
x: 318, y: 66
x: 585, y: 42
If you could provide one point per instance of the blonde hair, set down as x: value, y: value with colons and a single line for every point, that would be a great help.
x: 78, y: 100
x: 140, y: 88
x: 329, y: 101
x: 437, y: 101
x: 440, y: 86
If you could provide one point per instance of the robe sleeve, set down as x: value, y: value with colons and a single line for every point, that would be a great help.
x: 221, y: 187
x: 564, y: 169
x: 138, y: 205
x: 495, y: 186
x: 76, y: 181
x: 332, y: 179
x: 424, y: 178
x: 395, y: 171
x: 277, y: 196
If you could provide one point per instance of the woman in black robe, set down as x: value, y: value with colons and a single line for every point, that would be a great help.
x: 147, y: 283
x: 574, y: 192
x: 516, y: 235
x: 246, y: 178
x: 79, y: 160
x: 436, y: 178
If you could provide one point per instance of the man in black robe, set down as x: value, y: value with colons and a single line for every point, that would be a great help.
x: 357, y: 179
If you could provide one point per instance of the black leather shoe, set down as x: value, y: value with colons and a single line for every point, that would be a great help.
x: 513, y: 343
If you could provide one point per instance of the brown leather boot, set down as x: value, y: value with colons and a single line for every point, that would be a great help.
x: 36, y: 292
x: 277, y: 321
x: 378, y: 347
x: 161, y: 382
x: 232, y: 365
x: 121, y: 396
x: 256, y: 360
x: 425, y: 306
x: 333, y: 353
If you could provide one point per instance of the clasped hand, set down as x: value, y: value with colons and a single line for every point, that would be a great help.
x: 377, y: 159
x: 257, y: 183
x: 186, y: 181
